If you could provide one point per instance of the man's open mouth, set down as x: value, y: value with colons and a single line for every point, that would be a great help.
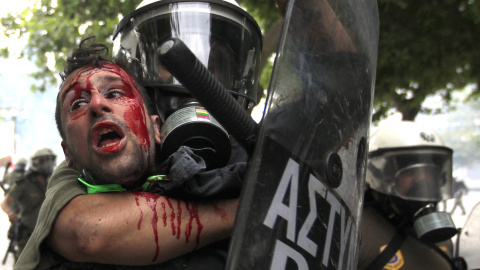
x: 107, y: 136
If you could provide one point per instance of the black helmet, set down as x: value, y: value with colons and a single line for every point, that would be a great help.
x: 224, y: 37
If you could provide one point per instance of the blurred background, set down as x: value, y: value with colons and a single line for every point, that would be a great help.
x: 428, y: 72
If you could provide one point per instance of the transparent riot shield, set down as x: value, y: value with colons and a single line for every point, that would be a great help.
x: 302, y: 199
x: 469, y: 247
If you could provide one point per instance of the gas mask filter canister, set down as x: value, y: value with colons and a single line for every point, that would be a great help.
x: 432, y: 226
x: 193, y: 126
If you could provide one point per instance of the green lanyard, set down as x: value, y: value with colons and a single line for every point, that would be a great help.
x: 92, y: 189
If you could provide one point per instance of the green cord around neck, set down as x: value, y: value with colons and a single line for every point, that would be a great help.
x: 93, y: 189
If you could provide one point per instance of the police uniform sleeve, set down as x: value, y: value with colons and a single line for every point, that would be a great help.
x: 375, y: 233
x: 15, y: 192
x: 62, y: 188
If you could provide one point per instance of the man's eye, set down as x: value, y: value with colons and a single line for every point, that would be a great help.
x: 114, y: 93
x: 77, y: 104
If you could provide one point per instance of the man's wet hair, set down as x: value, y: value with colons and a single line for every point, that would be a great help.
x: 85, y: 56
x: 90, y: 55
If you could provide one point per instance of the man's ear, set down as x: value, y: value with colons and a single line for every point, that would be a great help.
x: 68, y: 157
x: 157, y: 124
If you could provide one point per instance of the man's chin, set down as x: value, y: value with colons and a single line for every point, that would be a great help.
x: 128, y: 176
x: 127, y: 183
x: 127, y: 167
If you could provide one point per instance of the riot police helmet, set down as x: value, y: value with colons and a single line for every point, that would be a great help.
x: 222, y: 35
x: 20, y: 164
x: 43, y: 161
x: 409, y: 161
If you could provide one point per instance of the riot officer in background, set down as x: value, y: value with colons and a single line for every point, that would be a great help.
x: 8, y: 181
x: 17, y: 173
x: 28, y: 194
x: 409, y: 172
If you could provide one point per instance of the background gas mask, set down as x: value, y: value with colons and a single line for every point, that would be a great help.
x: 225, y: 38
x: 410, y: 164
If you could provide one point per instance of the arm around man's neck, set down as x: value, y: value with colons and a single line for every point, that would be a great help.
x: 137, y: 228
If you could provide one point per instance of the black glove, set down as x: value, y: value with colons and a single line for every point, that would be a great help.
x: 189, y: 180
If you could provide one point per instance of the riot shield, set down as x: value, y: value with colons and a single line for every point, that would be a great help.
x: 301, y: 204
x: 468, y: 247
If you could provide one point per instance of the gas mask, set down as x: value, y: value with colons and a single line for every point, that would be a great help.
x: 419, y: 187
x: 222, y: 36
x: 429, y: 225
x: 432, y: 226
x: 410, y: 165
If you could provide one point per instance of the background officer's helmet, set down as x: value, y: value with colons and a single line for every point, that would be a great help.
x: 410, y: 161
x: 43, y: 161
x: 21, y: 164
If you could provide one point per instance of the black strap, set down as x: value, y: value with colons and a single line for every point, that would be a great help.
x: 386, y: 255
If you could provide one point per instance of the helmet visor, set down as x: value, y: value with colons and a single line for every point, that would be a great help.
x: 418, y: 182
x: 222, y: 38
x: 417, y: 174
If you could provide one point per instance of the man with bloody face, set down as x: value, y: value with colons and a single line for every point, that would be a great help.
x: 110, y: 134
x: 101, y: 105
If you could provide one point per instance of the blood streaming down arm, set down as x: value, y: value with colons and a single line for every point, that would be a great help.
x: 137, y: 228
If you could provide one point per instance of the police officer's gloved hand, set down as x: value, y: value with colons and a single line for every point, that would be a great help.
x: 188, y: 178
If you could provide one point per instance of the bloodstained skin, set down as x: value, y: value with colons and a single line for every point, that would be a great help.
x: 141, y: 213
x: 152, y: 199
x: 179, y: 219
x: 172, y: 218
x: 135, y: 117
x: 193, y: 216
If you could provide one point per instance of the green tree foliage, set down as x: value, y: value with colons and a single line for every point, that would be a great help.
x: 265, y: 12
x: 425, y: 47
x: 270, y: 21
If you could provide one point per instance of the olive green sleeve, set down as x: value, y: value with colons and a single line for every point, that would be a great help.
x: 63, y: 186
